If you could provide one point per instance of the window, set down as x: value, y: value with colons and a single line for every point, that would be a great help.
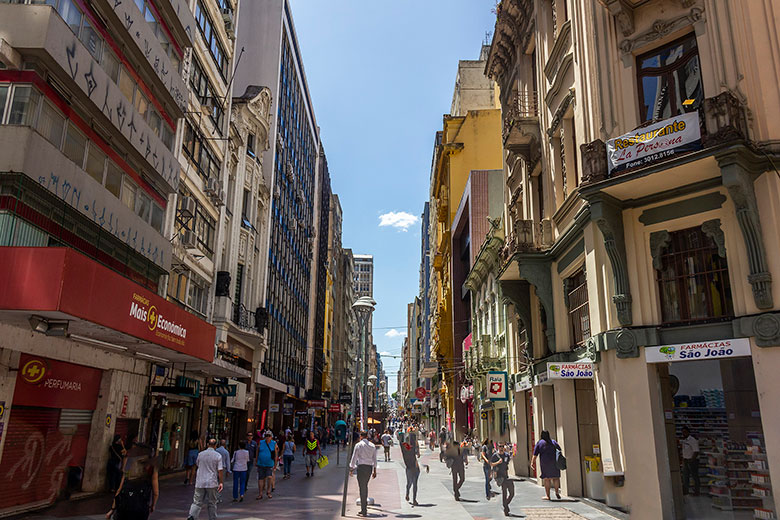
x: 128, y: 193
x: 158, y: 216
x: 114, y: 179
x: 92, y: 40
x: 126, y: 84
x: 24, y: 106
x: 667, y: 77
x: 576, y: 294
x: 196, y: 298
x: 245, y: 206
x: 177, y: 286
x: 202, y: 87
x: 75, y: 145
x: 141, y: 103
x: 212, y: 40
x: 71, y: 14
x: 111, y: 64
x: 143, y: 206
x: 204, y: 160
x: 3, y: 98
x: 159, y: 31
x: 250, y: 144
x: 693, y: 281
x: 51, y: 124
x: 96, y: 163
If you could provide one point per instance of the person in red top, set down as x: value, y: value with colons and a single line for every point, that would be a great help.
x: 311, y: 452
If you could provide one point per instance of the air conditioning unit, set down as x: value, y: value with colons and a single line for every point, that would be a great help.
x: 212, y: 186
x: 218, y: 198
x: 187, y: 208
x: 188, y: 239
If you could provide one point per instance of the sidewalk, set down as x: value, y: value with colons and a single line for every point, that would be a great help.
x: 320, y: 497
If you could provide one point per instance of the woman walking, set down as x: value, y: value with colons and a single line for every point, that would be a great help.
x: 288, y: 456
x: 136, y: 497
x: 485, y: 454
x: 240, y: 468
x: 194, y: 446
x: 116, y: 460
x: 546, y: 449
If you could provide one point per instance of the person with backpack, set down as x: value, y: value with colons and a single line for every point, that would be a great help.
x: 500, y: 464
x: 551, y: 459
x: 139, y: 487
x: 311, y: 452
x: 485, y: 454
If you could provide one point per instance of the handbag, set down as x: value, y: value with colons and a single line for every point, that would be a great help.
x: 322, y: 461
x: 560, y: 460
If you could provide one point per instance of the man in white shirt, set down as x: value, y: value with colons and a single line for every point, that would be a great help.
x: 387, y: 441
x: 690, y: 454
x: 208, y: 481
x: 364, y: 461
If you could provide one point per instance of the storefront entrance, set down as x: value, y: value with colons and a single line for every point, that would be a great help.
x: 718, y: 439
x: 588, y: 434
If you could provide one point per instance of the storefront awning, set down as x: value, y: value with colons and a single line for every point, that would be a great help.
x: 99, y: 306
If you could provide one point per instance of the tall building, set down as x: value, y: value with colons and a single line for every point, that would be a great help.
x: 641, y: 251
x: 293, y: 158
x: 364, y: 275
x: 97, y: 100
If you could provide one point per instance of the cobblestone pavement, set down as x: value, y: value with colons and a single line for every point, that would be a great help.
x: 320, y: 497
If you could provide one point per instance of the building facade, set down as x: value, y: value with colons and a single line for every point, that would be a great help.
x: 639, y: 140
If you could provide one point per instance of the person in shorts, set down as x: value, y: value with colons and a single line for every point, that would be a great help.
x: 311, y: 452
x: 387, y: 441
x: 267, y: 457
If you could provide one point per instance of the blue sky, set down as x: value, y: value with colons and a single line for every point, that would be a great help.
x: 381, y: 75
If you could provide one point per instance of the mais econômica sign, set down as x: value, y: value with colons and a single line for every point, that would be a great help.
x: 654, y: 142
x: 702, y: 350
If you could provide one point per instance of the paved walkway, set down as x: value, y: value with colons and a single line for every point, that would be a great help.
x: 320, y: 497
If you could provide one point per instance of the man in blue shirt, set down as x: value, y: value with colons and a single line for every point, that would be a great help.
x: 222, y: 450
x: 267, y: 458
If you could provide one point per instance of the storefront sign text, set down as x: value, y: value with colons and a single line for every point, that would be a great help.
x: 698, y: 351
x: 655, y: 142
x: 496, y: 386
x: 583, y: 370
x: 56, y: 384
x: 523, y: 384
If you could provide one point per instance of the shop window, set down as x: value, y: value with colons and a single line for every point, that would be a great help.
x: 693, y: 281
x: 576, y: 294
x: 667, y: 78
x: 24, y: 106
x: 75, y: 145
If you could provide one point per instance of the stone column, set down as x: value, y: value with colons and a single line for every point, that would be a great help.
x: 567, y: 435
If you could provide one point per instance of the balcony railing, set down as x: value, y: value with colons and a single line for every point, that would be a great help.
x: 244, y: 318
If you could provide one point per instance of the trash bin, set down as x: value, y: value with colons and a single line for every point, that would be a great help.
x: 594, y: 478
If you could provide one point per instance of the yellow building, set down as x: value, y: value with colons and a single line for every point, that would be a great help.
x: 470, y: 139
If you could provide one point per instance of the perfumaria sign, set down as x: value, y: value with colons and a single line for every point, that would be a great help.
x: 654, y: 142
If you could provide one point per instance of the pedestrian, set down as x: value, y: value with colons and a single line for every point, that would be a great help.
x: 208, y: 481
x: 457, y: 463
x: 500, y: 465
x: 387, y: 441
x: 546, y: 449
x: 251, y: 447
x: 240, y: 470
x: 364, y: 461
x: 442, y: 442
x: 116, y: 461
x: 138, y: 490
x: 267, y: 457
x: 288, y: 456
x: 194, y: 446
x: 432, y: 440
x: 170, y: 461
x: 222, y: 450
x: 485, y: 454
x: 410, y: 452
x: 311, y: 452
x: 690, y: 457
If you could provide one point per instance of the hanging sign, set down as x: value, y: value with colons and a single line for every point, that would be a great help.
x: 287, y: 409
x: 725, y: 348
x: 273, y: 408
x: 582, y: 370
x: 496, y: 386
x: 420, y: 392
x: 654, y: 142
x: 523, y: 384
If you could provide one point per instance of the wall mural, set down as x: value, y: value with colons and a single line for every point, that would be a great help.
x: 131, y: 17
x: 95, y: 83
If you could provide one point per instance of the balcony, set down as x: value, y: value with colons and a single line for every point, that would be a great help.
x: 722, y: 121
x: 521, y: 133
x: 244, y: 319
x: 527, y: 236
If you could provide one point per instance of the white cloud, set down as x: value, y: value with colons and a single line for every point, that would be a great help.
x: 398, y: 219
x: 392, y: 333
x: 385, y: 353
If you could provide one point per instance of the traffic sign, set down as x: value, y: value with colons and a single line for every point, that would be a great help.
x: 420, y: 392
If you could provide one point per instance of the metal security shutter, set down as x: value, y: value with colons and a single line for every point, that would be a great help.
x: 76, y: 424
x: 35, y: 457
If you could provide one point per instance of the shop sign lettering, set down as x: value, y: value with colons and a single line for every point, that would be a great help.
x: 570, y: 370
x: 698, y: 351
x: 655, y: 142
x: 496, y: 386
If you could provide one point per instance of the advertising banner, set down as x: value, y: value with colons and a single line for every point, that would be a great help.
x: 496, y: 386
x: 698, y: 351
x: 654, y: 142
x: 523, y: 384
x: 56, y: 384
x: 580, y: 370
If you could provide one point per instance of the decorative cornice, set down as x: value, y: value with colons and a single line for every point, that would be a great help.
x: 659, y: 29
x: 562, y: 44
x: 559, y: 113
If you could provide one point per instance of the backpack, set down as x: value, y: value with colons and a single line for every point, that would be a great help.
x: 134, y: 499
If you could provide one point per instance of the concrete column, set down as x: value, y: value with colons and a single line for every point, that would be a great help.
x: 765, y: 363
x: 519, y: 436
x: 567, y: 435
x: 9, y: 365
x: 101, y: 433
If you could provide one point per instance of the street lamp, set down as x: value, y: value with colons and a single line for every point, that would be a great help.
x: 363, y: 308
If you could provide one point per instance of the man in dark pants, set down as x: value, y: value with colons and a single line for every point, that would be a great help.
x: 364, y: 461
x: 442, y: 443
x: 690, y: 455
x: 458, y: 462
x: 500, y: 463
x: 410, y: 451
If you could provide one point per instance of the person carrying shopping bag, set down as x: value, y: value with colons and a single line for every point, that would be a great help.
x: 549, y: 453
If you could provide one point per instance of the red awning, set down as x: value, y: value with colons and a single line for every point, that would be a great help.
x: 62, y: 283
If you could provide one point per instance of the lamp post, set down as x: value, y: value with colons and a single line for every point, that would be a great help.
x: 363, y: 308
